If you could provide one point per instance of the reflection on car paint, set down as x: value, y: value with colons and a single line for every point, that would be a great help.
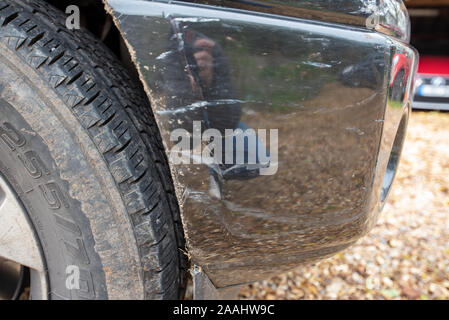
x: 331, y: 91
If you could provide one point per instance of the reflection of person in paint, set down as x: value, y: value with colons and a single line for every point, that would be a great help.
x: 204, y: 61
x: 196, y: 81
x: 198, y: 87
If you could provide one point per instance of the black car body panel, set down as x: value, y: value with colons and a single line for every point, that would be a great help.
x: 388, y: 17
x: 339, y: 133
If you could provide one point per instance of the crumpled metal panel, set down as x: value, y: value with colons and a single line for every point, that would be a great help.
x: 335, y: 96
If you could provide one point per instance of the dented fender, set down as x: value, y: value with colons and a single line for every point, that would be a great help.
x: 318, y: 77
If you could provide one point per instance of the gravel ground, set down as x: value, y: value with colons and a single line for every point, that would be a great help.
x: 406, y: 256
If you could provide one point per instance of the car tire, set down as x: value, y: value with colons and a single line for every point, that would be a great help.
x: 81, y: 150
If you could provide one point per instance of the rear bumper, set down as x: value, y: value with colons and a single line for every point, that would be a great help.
x: 429, y: 105
x: 326, y: 89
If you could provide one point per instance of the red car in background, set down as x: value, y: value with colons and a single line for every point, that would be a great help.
x: 432, y: 83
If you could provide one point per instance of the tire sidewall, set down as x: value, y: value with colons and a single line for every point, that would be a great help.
x: 64, y: 231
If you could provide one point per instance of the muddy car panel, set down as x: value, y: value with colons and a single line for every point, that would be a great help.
x: 327, y: 94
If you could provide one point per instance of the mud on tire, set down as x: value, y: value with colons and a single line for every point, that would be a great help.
x: 92, y: 173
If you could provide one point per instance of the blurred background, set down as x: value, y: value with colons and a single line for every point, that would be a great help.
x: 406, y: 256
